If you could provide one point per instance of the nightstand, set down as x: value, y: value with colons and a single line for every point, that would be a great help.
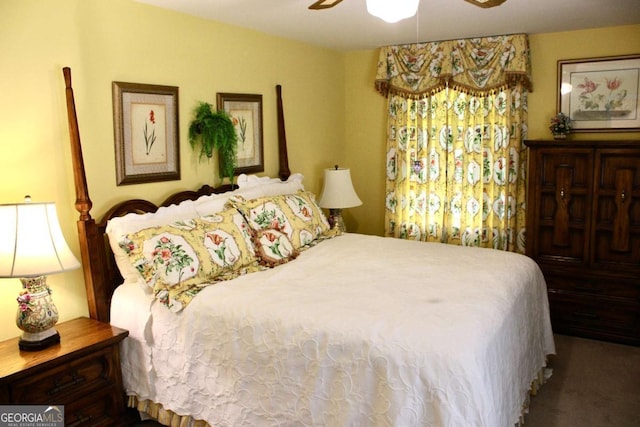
x: 82, y: 373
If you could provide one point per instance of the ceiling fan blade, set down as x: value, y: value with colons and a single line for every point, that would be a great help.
x: 324, y: 4
x: 486, y: 3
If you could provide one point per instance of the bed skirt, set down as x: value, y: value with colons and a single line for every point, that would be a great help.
x: 543, y: 376
x: 155, y: 411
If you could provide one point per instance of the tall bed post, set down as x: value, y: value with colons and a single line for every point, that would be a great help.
x: 93, y: 261
x: 283, y: 158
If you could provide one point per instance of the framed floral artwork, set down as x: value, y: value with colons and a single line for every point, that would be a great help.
x: 246, y: 113
x: 600, y: 94
x: 145, y: 119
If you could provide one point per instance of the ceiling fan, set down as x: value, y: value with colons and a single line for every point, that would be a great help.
x: 326, y: 4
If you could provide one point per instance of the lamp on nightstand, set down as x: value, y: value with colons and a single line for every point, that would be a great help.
x: 338, y: 194
x: 32, y: 246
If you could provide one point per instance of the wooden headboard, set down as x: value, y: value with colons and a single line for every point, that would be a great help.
x: 101, y: 275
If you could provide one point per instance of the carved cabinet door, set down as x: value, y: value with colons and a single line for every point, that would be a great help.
x: 562, y: 204
x: 615, y: 239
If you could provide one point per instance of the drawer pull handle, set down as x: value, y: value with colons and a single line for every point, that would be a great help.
x: 590, y: 290
x: 585, y: 315
x: 60, y: 386
x: 562, y: 193
x: 81, y: 419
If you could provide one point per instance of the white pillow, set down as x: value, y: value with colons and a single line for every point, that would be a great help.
x: 246, y: 181
x: 132, y: 222
x: 207, y: 205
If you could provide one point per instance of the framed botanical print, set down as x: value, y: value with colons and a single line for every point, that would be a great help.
x: 600, y: 94
x: 145, y: 121
x: 246, y: 113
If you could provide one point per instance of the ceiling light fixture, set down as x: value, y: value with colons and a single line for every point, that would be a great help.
x: 393, y: 10
x: 486, y: 3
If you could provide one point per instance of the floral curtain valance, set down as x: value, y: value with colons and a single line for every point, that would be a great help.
x: 475, y: 66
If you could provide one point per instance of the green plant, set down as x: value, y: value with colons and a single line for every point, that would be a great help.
x: 214, y: 130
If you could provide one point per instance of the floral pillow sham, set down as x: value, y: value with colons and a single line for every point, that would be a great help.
x: 297, y: 215
x: 179, y: 259
x: 273, y: 247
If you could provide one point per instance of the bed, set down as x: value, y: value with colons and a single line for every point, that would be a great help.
x: 327, y: 329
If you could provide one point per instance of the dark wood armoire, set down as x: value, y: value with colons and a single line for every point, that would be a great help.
x: 583, y: 229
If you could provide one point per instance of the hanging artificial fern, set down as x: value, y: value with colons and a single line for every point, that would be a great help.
x: 214, y: 130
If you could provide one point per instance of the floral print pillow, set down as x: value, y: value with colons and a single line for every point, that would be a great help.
x: 273, y: 247
x: 180, y: 259
x: 297, y: 215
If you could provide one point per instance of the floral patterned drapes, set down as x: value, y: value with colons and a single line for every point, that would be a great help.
x: 472, y: 65
x: 455, y: 158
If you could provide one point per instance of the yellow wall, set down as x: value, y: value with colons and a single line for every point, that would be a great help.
x: 547, y: 49
x: 121, y: 40
x: 333, y: 114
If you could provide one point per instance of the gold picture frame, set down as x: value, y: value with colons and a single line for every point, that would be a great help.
x: 246, y: 113
x: 146, y: 132
x: 600, y: 94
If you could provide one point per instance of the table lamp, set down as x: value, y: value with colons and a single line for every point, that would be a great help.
x: 32, y: 246
x: 338, y: 194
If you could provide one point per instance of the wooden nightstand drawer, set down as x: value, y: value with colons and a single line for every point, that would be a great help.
x: 98, y: 409
x: 82, y: 373
x: 65, y: 383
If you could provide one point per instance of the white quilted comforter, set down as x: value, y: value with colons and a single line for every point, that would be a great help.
x: 357, y: 331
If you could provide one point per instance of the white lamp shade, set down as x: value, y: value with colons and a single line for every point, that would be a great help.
x: 338, y: 192
x: 392, y: 10
x: 31, y: 241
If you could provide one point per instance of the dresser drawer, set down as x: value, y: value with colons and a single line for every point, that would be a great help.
x: 595, y: 286
x: 570, y: 313
x: 67, y: 382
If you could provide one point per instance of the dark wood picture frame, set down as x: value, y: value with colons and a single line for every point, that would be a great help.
x: 246, y: 112
x: 600, y: 94
x: 146, y: 130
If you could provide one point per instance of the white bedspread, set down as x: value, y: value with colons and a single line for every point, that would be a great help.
x: 358, y: 331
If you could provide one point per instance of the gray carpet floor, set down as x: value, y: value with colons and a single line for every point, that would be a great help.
x: 594, y: 384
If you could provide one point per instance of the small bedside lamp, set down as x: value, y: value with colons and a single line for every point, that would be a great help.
x: 338, y: 194
x: 31, y: 246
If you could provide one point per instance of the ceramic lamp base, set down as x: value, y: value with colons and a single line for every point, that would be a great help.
x: 34, y: 341
x: 335, y: 220
x: 37, y: 315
